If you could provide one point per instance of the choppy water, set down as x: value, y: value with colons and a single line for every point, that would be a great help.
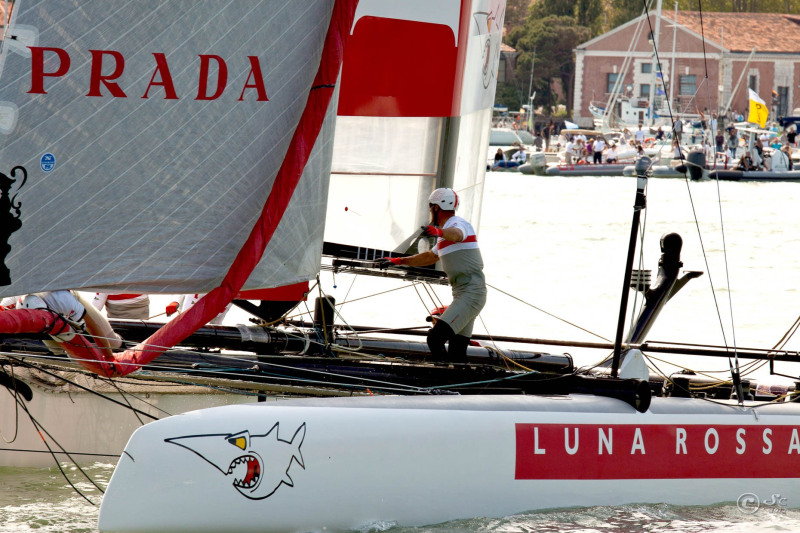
x: 558, y: 244
x: 38, y: 499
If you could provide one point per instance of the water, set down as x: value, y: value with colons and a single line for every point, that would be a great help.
x: 559, y: 244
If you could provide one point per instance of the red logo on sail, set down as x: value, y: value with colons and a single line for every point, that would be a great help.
x: 107, y: 67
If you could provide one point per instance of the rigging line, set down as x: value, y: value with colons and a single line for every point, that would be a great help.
x: 723, y: 404
x: 39, y: 429
x: 788, y: 335
x: 15, y: 394
x: 664, y: 84
x: 722, y: 234
x: 547, y: 313
x: 641, y: 231
x: 694, y: 210
x: 24, y: 363
x: 309, y: 371
x: 430, y: 293
x: 506, y: 360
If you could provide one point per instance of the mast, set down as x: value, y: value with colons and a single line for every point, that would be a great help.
x: 741, y: 77
x: 673, y: 76
x: 530, y: 94
x: 656, y: 67
x: 642, y: 167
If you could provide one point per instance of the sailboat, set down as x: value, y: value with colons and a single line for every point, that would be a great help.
x: 554, y: 437
x: 219, y: 137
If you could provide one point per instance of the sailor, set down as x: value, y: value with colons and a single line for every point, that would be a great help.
x: 9, y: 302
x: 77, y: 313
x: 187, y: 301
x: 457, y: 247
x: 123, y: 305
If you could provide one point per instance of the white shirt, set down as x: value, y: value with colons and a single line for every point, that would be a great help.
x: 639, y: 136
x: 599, y: 145
x: 469, y: 242
x: 611, y: 153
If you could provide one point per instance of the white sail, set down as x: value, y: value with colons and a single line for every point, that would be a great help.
x: 151, y: 133
x: 414, y: 114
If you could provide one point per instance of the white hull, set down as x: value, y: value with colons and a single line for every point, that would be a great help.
x: 343, y: 463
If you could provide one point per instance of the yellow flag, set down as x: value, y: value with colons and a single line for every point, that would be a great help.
x: 758, y: 110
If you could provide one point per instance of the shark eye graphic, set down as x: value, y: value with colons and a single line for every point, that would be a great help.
x: 239, y: 442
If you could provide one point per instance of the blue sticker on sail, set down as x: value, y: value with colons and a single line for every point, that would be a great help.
x: 48, y: 162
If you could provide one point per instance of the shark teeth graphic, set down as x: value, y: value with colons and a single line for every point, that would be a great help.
x: 247, y: 471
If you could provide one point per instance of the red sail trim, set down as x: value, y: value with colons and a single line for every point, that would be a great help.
x: 288, y: 176
x: 31, y: 321
x: 126, y: 296
x: 288, y: 293
x: 79, y: 347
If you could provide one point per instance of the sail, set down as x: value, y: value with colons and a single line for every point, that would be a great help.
x: 418, y: 85
x: 151, y: 135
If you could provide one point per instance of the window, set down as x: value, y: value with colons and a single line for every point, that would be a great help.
x: 752, y: 82
x: 688, y: 84
x: 611, y: 80
x: 647, y: 68
x: 644, y: 90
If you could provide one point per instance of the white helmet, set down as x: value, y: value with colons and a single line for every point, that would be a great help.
x: 446, y: 199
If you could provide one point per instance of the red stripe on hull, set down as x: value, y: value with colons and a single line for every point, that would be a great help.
x: 656, y: 451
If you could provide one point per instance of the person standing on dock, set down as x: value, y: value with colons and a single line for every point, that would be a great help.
x: 677, y: 129
x: 597, y: 148
x: 457, y: 247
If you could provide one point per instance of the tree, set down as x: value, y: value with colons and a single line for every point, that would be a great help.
x: 516, y: 13
x: 554, y: 38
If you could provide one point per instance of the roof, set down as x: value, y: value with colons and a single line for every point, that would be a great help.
x: 741, y: 32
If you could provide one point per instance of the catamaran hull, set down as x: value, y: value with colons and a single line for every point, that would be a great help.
x: 308, y: 465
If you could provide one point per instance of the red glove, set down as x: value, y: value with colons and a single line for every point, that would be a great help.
x: 431, y: 231
x: 385, y: 261
x: 172, y: 308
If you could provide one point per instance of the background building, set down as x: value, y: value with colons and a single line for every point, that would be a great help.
x: 706, y: 64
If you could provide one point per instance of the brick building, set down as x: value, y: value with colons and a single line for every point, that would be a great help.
x: 740, y: 50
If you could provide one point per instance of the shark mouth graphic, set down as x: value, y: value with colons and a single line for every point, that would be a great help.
x: 252, y: 472
x: 257, y: 463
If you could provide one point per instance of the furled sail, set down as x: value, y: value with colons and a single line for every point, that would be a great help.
x: 151, y: 134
